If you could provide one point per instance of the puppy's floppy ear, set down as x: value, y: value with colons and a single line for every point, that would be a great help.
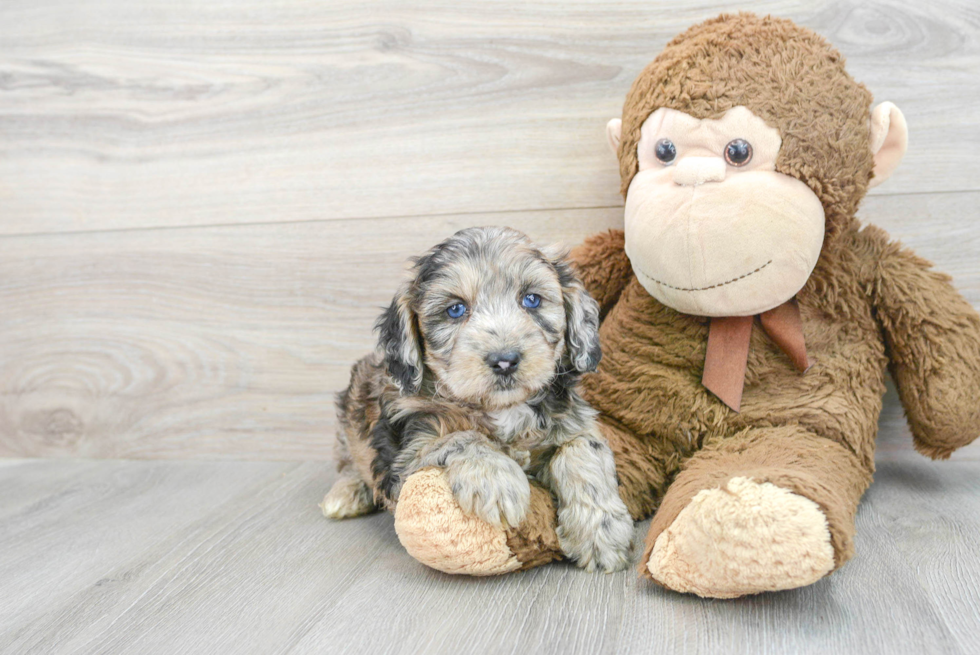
x: 398, y: 339
x: 581, y: 319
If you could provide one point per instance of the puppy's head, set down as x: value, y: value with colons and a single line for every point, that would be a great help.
x: 490, y: 319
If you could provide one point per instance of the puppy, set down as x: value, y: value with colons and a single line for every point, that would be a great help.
x: 478, y: 359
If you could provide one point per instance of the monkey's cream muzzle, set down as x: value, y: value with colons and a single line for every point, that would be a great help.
x: 713, y: 239
x: 734, y: 247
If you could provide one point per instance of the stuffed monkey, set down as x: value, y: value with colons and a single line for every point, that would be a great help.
x: 747, y: 321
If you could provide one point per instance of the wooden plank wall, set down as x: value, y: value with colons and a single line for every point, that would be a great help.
x: 204, y: 205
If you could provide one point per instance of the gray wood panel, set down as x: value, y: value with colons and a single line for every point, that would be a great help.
x: 219, y: 557
x: 204, y: 342
x: 115, y: 115
x: 231, y: 341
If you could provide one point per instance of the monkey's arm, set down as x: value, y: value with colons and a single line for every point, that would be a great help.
x: 603, y: 267
x: 932, y: 336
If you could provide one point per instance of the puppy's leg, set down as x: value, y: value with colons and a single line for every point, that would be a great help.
x: 350, y: 494
x: 348, y: 497
x: 594, y: 527
x: 485, y: 482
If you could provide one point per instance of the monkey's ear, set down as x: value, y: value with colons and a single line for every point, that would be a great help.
x: 614, y: 132
x: 398, y: 340
x: 581, y: 319
x: 889, y: 140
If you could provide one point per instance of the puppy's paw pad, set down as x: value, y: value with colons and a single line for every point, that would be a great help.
x: 745, y: 539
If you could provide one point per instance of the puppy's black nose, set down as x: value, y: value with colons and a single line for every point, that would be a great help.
x: 503, y: 363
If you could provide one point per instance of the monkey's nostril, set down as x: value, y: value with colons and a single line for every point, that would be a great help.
x: 503, y: 363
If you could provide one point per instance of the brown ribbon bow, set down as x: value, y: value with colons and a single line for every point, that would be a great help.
x: 728, y: 348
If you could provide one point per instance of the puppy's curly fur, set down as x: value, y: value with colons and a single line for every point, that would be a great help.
x: 478, y: 360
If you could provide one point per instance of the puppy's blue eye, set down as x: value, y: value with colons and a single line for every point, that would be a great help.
x: 457, y: 310
x: 531, y: 301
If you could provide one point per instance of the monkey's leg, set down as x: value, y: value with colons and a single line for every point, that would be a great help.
x: 766, y: 509
x: 434, y: 530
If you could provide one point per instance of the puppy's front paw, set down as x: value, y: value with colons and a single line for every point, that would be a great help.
x: 596, y: 537
x: 491, y: 487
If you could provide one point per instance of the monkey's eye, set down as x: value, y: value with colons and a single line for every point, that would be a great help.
x: 531, y: 301
x: 738, y: 152
x: 456, y: 310
x: 666, y: 151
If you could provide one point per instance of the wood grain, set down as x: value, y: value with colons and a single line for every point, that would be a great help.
x: 932, y: 538
x: 231, y: 341
x: 221, y: 557
x: 173, y: 113
x: 218, y: 342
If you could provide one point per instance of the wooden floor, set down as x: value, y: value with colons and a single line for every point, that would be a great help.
x: 109, y: 557
x: 203, y: 205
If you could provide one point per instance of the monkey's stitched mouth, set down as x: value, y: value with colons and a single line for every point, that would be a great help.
x: 713, y: 286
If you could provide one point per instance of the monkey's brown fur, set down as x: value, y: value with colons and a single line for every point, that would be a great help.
x: 868, y: 305
x: 788, y: 76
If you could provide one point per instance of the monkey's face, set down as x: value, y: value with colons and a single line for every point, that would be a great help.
x: 712, y: 228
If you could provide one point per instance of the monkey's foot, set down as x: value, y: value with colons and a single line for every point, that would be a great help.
x: 743, y: 539
x: 434, y: 530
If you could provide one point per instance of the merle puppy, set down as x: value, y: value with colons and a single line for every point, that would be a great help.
x: 478, y: 359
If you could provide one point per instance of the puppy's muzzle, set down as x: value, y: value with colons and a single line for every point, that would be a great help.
x: 504, y: 363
